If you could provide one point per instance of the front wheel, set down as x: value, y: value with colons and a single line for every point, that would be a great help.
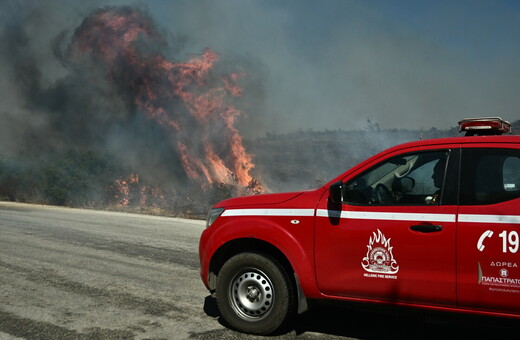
x: 255, y: 294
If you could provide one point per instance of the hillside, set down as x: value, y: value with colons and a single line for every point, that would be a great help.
x: 295, y: 161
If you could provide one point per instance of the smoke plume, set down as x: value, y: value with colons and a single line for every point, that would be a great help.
x: 170, y: 124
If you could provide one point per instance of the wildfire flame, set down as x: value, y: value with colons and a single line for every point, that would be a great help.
x: 128, y: 189
x: 123, y: 189
x: 187, y: 99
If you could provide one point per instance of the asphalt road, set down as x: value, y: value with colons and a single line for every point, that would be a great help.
x: 83, y: 274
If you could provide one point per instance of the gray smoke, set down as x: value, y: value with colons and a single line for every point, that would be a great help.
x: 308, y: 64
x: 54, y: 103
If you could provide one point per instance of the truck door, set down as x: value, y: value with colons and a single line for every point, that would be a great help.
x: 488, y: 235
x: 393, y: 237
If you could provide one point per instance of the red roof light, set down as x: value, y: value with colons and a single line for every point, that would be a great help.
x: 484, y: 126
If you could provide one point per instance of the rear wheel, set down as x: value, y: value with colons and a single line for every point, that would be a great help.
x: 255, y: 294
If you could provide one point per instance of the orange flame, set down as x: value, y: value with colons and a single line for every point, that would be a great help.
x: 123, y: 189
x: 129, y: 191
x: 185, y: 98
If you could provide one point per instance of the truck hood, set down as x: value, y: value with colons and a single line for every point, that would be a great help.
x: 258, y: 200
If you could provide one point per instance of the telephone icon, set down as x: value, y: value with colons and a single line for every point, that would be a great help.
x: 480, y: 243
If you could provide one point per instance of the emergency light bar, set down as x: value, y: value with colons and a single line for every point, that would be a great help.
x: 484, y: 126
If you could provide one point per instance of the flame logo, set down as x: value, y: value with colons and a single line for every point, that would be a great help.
x: 379, y: 257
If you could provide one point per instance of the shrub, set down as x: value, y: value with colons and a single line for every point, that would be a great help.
x: 78, y: 178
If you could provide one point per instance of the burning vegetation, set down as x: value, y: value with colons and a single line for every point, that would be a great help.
x: 184, y: 98
x: 164, y: 130
x: 121, y: 121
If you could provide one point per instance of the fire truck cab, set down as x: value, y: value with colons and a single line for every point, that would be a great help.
x: 429, y: 224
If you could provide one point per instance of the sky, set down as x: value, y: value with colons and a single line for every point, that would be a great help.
x: 327, y: 64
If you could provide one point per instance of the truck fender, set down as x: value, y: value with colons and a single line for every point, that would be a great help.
x: 280, y: 238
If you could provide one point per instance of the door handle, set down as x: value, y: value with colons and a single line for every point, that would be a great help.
x: 426, y: 228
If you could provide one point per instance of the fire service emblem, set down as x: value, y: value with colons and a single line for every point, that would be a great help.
x: 379, y: 257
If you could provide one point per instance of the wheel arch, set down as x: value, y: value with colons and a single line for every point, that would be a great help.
x: 249, y: 244
x: 246, y: 244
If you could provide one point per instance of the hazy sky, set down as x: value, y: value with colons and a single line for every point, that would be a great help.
x: 332, y: 64
x: 337, y: 63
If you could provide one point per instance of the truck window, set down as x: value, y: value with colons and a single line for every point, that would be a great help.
x: 489, y: 176
x: 512, y: 173
x: 410, y: 179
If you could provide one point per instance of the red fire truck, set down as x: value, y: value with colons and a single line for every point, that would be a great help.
x: 429, y: 224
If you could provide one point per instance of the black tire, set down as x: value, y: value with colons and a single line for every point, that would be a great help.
x: 255, y: 294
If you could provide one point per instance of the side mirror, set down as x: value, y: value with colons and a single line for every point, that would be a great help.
x: 335, y: 192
